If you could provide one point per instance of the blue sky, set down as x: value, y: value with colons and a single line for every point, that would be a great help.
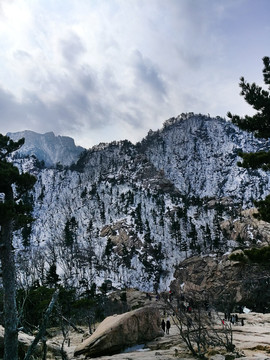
x: 104, y: 70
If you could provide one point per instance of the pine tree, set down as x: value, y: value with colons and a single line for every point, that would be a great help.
x: 259, y: 124
x: 14, y: 214
x: 70, y: 231
x: 52, y: 278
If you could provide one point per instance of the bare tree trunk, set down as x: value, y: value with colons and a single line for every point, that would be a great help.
x: 11, y: 213
x: 71, y: 324
x: 198, y: 330
x: 43, y: 326
x: 44, y: 342
x: 65, y: 333
x: 9, y: 285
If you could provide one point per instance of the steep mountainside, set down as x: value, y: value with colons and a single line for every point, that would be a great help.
x: 47, y: 147
x: 198, y: 154
x: 131, y: 213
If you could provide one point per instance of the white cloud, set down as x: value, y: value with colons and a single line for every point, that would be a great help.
x: 105, y: 70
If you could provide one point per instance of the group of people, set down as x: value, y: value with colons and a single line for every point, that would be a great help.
x: 233, y: 319
x: 166, y: 325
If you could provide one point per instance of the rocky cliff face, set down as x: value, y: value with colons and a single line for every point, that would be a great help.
x: 224, y: 281
x: 132, y: 213
x: 47, y: 147
x: 247, y: 230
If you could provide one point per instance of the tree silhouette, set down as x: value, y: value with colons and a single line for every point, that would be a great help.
x: 15, y: 212
x: 259, y: 124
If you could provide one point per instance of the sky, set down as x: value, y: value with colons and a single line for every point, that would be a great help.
x: 105, y: 70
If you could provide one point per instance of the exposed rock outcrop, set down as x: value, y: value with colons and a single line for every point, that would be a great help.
x: 120, y: 331
x: 247, y: 230
x: 121, y: 234
x: 219, y: 279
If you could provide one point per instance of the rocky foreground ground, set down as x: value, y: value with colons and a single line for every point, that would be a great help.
x: 252, y: 342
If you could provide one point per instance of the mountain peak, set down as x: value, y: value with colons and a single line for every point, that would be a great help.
x: 48, y: 147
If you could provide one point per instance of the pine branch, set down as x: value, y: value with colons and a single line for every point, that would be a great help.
x: 266, y: 70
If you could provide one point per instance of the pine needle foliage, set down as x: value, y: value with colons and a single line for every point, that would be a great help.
x: 259, y: 125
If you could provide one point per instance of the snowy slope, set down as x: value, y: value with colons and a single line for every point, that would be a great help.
x: 131, y: 213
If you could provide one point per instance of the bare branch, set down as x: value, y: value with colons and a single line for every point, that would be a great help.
x: 43, y: 326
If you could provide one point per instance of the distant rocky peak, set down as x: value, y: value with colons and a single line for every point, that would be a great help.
x: 47, y: 147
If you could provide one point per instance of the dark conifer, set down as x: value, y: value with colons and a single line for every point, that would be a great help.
x: 259, y: 99
x: 14, y: 214
x: 259, y: 124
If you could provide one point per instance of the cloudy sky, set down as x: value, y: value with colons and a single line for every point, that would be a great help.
x: 104, y: 70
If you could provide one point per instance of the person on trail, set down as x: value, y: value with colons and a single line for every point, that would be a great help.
x: 163, y: 325
x: 168, y: 325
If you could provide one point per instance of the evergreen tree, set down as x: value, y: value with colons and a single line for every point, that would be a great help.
x: 70, y: 231
x: 109, y: 248
x: 14, y: 214
x: 147, y: 236
x: 52, y: 278
x: 138, y: 218
x: 259, y: 124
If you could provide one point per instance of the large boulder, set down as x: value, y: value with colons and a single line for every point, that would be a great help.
x: 117, y: 332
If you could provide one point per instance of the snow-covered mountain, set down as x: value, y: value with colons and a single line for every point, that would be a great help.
x: 132, y: 213
x: 47, y: 147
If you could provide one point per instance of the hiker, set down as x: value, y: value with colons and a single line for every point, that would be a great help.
x: 189, y: 322
x: 168, y: 325
x: 163, y: 325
